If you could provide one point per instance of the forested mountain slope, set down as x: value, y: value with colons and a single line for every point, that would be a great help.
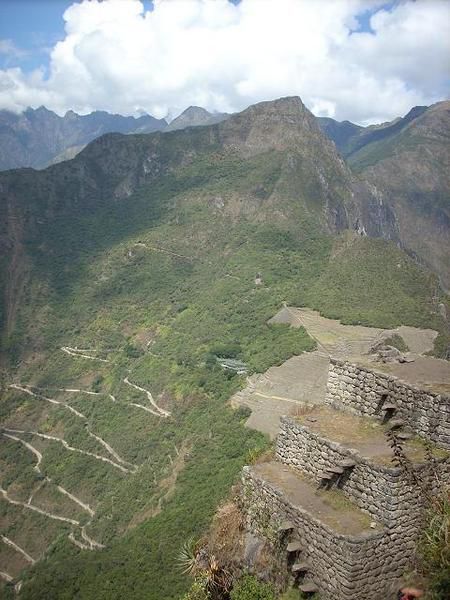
x: 127, y: 273
x: 408, y: 161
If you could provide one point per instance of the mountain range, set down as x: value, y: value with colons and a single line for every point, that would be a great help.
x: 128, y: 271
x: 39, y: 137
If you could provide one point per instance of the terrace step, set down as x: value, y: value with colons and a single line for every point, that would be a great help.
x: 396, y: 423
x: 308, y: 588
x: 294, y: 546
x: 301, y: 567
x: 299, y: 491
x: 357, y: 436
x: 336, y: 470
x: 286, y: 526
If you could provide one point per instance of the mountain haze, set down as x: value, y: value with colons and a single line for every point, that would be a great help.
x: 39, y: 137
x: 194, y: 116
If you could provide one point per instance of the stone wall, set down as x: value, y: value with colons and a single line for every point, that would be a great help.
x: 342, y: 566
x: 386, y: 493
x: 363, y: 392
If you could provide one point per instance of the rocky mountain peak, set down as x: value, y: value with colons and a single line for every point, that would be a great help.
x: 283, y: 124
x: 194, y: 116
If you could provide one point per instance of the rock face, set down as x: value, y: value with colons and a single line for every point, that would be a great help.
x: 413, y: 172
x: 408, y: 162
x: 350, y: 138
x: 37, y: 138
x: 195, y: 116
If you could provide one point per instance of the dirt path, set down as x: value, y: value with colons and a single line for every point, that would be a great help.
x: 101, y: 441
x: 77, y: 543
x: 27, y: 390
x: 71, y: 448
x: 4, y: 575
x: 35, y: 451
x: 38, y: 510
x: 37, y: 468
x: 92, y: 543
x: 160, y: 411
x: 111, y: 450
x: 17, y: 548
x: 83, y: 505
x: 164, y: 251
x: 79, y: 354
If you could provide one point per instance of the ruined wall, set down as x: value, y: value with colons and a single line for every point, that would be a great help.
x: 386, y: 493
x: 342, y: 566
x: 363, y: 391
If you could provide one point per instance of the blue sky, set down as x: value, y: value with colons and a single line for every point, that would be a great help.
x: 34, y: 26
x: 225, y: 55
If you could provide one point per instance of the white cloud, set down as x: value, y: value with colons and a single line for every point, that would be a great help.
x: 117, y: 57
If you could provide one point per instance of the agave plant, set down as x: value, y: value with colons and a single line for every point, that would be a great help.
x: 187, y: 557
x: 199, y: 563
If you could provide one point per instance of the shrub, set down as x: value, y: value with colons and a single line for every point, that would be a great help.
x: 249, y: 588
x: 397, y: 341
x: 434, y: 549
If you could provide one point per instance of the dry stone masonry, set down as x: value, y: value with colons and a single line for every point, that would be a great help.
x: 333, y: 551
x: 365, y: 392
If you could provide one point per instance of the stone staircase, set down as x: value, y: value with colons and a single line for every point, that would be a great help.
x: 343, y: 518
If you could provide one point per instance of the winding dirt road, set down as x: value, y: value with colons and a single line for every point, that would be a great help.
x: 160, y: 412
x: 37, y: 468
x: 80, y: 415
x: 37, y: 509
x: 91, y: 543
x: 27, y: 390
x: 70, y: 448
x: 79, y: 354
x: 18, y: 549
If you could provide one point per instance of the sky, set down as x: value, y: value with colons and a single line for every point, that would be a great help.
x: 367, y: 61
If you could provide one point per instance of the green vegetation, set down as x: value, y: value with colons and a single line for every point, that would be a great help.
x: 249, y: 588
x: 397, y: 341
x: 159, y: 284
x: 362, y: 280
x: 434, y: 549
x: 136, y: 562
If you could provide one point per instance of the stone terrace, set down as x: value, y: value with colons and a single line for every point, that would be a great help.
x: 344, y: 516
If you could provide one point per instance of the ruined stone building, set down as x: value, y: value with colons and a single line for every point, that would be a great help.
x: 343, y: 501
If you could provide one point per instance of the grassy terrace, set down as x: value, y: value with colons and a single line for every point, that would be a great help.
x: 366, y: 436
x: 330, y: 507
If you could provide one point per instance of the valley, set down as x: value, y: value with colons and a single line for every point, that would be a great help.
x: 148, y: 260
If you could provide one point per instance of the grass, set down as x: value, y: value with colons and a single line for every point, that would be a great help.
x: 397, y: 341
